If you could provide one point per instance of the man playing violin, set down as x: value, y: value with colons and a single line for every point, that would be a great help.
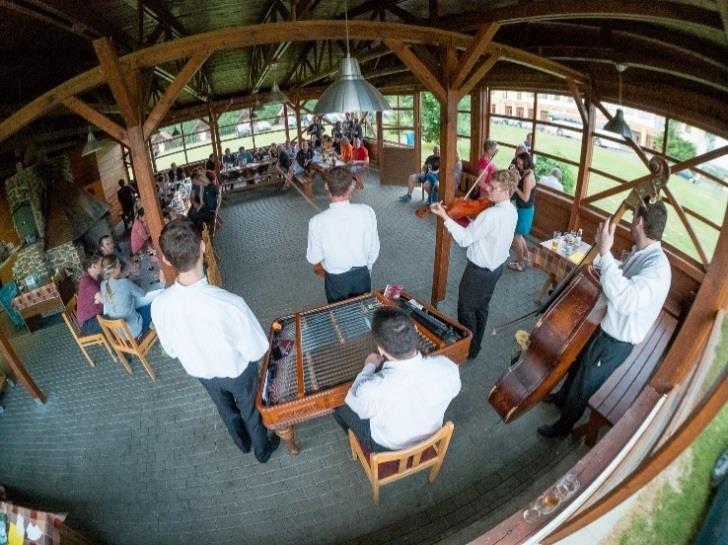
x: 344, y: 240
x: 488, y: 240
x: 635, y: 292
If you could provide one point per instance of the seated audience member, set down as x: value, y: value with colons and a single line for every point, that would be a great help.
x: 336, y: 130
x: 357, y: 128
x: 432, y: 164
x: 303, y: 161
x: 228, y: 158
x: 347, y: 127
x: 316, y: 128
x: 337, y: 144
x: 400, y: 396
x: 347, y: 150
x: 89, y: 299
x: 273, y: 151
x: 180, y: 204
x: 210, y: 164
x: 359, y: 162
x: 284, y: 166
x: 553, y: 180
x: 107, y: 246
x: 122, y: 298
x: 432, y: 185
x: 244, y: 156
x: 139, y: 233
x: 327, y: 145
x: 175, y: 174
x: 490, y: 147
x: 204, y: 208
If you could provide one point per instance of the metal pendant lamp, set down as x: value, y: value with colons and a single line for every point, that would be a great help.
x: 276, y: 95
x: 92, y: 145
x: 350, y: 92
x: 617, y: 124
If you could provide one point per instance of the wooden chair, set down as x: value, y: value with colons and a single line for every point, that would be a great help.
x: 386, y: 467
x: 214, y: 276
x: 122, y: 341
x: 82, y: 339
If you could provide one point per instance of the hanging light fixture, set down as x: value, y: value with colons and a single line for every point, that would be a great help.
x: 350, y: 92
x: 175, y: 133
x: 617, y: 124
x: 276, y: 95
x: 92, y: 145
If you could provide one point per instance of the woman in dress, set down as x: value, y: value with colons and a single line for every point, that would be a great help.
x: 524, y: 197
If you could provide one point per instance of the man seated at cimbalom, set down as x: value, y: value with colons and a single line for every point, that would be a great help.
x: 400, y: 396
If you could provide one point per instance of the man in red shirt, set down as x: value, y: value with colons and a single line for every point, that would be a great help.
x: 89, y: 299
x: 359, y: 163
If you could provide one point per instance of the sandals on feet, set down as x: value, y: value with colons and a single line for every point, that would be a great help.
x: 515, y: 266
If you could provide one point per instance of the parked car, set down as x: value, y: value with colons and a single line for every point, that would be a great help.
x: 243, y: 129
x: 261, y: 126
x: 688, y: 175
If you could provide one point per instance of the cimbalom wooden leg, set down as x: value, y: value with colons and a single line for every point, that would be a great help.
x: 288, y: 436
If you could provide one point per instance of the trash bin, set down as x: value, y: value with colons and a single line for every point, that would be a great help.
x: 409, y: 138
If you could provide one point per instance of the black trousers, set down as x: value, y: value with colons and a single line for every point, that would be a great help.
x: 235, y: 401
x: 594, y: 365
x: 349, y: 420
x: 474, y: 295
x: 356, y: 281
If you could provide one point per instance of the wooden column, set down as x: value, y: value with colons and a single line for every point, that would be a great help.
x: 285, y: 122
x: 215, y: 140
x: 298, y: 122
x: 417, y: 117
x: 585, y: 159
x: 448, y: 148
x: 21, y: 373
x: 477, y: 129
x: 380, y: 144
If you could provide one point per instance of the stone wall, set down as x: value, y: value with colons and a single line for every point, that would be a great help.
x: 66, y: 256
x: 30, y: 259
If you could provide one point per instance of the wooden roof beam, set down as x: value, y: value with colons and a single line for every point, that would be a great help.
x: 482, y: 40
x: 479, y: 73
x: 688, y: 227
x: 574, y: 89
x: 172, y: 92
x: 116, y: 78
x: 418, y: 68
x: 83, y: 109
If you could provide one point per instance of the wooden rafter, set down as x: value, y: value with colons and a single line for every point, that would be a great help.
x: 482, y: 40
x: 417, y: 67
x: 574, y: 89
x: 723, y: 11
x: 478, y: 74
x: 162, y: 106
x: 688, y: 227
x: 115, y: 77
x: 239, y: 37
x: 95, y: 117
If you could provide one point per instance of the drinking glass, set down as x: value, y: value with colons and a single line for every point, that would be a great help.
x: 531, y: 513
x: 548, y: 501
x: 571, y: 483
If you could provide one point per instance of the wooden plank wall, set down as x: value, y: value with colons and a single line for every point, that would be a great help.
x: 110, y: 165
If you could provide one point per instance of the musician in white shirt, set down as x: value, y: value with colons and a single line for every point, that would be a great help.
x: 344, y: 240
x: 215, y: 336
x: 488, y: 240
x: 635, y: 292
x: 404, y: 402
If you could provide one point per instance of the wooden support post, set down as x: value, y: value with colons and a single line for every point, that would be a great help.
x: 582, y: 176
x: 21, y: 373
x: 214, y: 140
x: 298, y: 122
x: 448, y: 148
x: 477, y: 128
x: 380, y: 144
x: 285, y: 122
x: 417, y: 116
x: 148, y: 191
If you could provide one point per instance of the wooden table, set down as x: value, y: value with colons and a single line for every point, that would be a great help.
x: 554, y: 262
x: 246, y: 176
x: 47, y: 300
x: 319, y: 167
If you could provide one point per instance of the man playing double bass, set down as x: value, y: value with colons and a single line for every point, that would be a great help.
x: 635, y: 292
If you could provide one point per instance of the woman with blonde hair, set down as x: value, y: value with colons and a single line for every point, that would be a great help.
x: 122, y: 298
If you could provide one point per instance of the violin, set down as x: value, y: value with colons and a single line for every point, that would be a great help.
x: 568, y: 319
x: 459, y: 208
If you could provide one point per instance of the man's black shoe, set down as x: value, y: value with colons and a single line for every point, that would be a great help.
x: 273, y: 444
x: 553, y: 399
x: 552, y: 431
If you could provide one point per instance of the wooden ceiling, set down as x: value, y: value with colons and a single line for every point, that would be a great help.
x: 671, y: 48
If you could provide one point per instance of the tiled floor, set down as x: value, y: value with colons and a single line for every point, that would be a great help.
x: 136, y: 462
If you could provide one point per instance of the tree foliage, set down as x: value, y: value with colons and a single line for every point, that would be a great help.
x: 677, y: 146
x: 430, y: 118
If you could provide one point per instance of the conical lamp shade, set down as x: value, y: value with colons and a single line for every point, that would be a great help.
x: 619, y: 125
x: 92, y: 145
x: 276, y: 95
x: 350, y: 92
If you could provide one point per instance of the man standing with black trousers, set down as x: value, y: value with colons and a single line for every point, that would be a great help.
x: 488, y: 240
x: 215, y: 336
x: 635, y: 292
x: 344, y: 240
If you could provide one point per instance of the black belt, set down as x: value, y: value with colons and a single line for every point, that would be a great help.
x: 470, y: 263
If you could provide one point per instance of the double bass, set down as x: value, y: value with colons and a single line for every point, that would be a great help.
x: 568, y: 320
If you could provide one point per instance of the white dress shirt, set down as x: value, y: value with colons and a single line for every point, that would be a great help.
x: 635, y: 291
x: 487, y: 239
x: 212, y: 332
x: 406, y: 400
x: 342, y: 237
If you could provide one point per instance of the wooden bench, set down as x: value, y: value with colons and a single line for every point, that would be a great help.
x: 618, y: 393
